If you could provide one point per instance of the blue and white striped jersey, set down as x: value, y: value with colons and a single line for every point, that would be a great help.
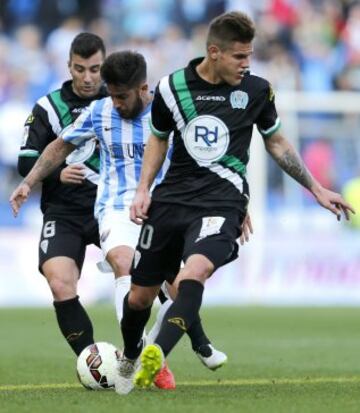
x: 122, y: 143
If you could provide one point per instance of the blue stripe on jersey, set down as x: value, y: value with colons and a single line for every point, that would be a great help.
x: 138, y: 133
x: 117, y: 141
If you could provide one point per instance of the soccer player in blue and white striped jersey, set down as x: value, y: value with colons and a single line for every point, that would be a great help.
x: 122, y: 136
x: 120, y: 123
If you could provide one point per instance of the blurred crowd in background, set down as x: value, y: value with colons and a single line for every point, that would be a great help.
x: 308, y: 45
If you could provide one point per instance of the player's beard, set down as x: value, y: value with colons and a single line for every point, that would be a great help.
x: 135, y: 111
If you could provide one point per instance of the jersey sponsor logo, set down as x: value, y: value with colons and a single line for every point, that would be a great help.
x: 82, y: 153
x: 206, y: 139
x: 127, y: 150
x: 77, y: 110
x: 211, y: 98
x: 210, y: 226
x: 239, y: 99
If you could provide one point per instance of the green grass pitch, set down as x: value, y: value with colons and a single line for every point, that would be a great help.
x: 280, y: 360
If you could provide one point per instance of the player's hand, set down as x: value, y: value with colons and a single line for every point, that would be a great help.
x: 73, y: 174
x: 140, y: 206
x: 246, y: 229
x: 19, y: 196
x: 334, y: 202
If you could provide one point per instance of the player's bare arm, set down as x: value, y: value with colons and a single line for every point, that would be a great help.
x: 52, y: 157
x: 154, y: 157
x: 290, y: 161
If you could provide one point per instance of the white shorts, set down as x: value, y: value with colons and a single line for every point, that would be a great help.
x: 116, y: 230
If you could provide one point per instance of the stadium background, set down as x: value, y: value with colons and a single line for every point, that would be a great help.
x: 308, y: 49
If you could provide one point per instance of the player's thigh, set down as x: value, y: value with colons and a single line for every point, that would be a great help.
x: 116, y: 229
x: 159, y: 250
x: 61, y: 237
x: 214, y: 236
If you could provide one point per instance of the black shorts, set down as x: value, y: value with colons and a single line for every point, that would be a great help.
x: 174, y: 232
x: 67, y: 236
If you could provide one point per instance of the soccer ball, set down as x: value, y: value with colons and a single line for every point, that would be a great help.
x: 96, y: 366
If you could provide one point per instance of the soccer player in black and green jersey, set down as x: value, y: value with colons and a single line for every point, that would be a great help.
x: 197, y: 211
x: 68, y: 194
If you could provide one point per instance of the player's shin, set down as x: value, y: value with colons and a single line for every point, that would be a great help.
x: 181, y: 314
x: 74, y: 324
x: 132, y: 327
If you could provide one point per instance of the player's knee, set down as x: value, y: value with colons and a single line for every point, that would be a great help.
x: 120, y: 262
x: 197, y: 267
x: 139, y: 302
x: 61, y: 288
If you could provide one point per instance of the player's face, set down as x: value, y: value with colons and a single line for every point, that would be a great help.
x: 232, y: 63
x: 127, y: 101
x: 85, y: 73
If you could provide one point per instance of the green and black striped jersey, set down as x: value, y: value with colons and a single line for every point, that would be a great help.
x: 212, y: 127
x: 50, y: 115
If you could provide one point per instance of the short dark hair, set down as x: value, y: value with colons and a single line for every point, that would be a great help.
x: 230, y: 27
x: 124, y: 68
x: 86, y: 44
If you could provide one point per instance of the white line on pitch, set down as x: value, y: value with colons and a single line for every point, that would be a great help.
x: 236, y: 382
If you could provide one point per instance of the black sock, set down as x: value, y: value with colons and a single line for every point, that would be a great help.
x: 180, y: 315
x: 74, y: 324
x: 197, y: 334
x: 132, y: 328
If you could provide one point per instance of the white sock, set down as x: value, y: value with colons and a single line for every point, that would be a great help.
x: 159, y: 318
x: 122, y: 287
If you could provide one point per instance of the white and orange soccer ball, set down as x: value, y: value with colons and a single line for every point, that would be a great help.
x: 96, y: 366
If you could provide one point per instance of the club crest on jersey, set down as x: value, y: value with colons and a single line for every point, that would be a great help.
x: 239, y: 99
x: 206, y: 139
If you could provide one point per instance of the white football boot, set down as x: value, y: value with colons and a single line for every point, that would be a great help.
x: 125, y: 374
x: 210, y: 357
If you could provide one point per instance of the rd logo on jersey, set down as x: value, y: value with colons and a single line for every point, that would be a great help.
x: 239, y: 99
x: 206, y: 139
